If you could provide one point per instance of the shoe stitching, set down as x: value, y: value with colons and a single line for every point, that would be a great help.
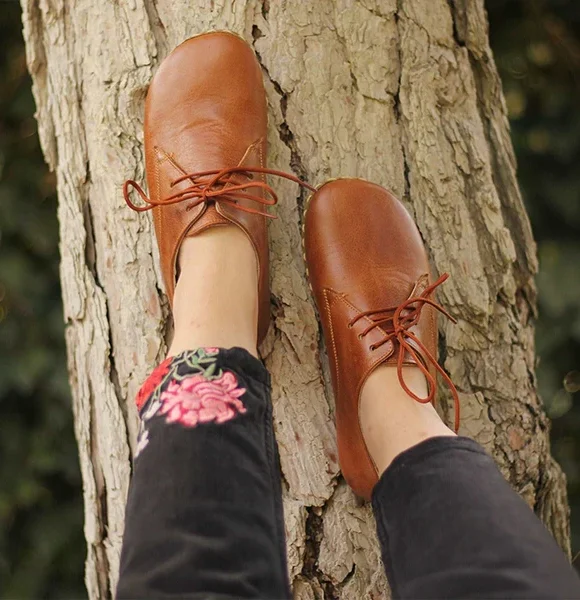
x: 422, y: 283
x: 353, y: 307
x: 332, y: 337
x: 163, y: 156
x: 251, y: 147
x: 161, y: 217
x: 375, y: 363
x: 261, y: 142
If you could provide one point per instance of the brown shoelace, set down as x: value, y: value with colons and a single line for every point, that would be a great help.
x: 220, y: 184
x: 401, y: 319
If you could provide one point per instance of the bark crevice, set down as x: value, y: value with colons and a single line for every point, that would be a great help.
x: 284, y: 131
x: 310, y: 570
x: 157, y: 28
x: 101, y: 563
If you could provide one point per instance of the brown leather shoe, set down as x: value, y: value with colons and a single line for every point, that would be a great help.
x: 205, y: 152
x: 370, y: 278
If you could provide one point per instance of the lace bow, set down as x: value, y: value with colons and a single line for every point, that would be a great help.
x: 399, y: 321
x: 222, y: 184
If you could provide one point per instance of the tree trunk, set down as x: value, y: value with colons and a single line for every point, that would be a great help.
x: 405, y: 94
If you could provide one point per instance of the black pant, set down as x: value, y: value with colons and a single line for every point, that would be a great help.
x: 204, y: 514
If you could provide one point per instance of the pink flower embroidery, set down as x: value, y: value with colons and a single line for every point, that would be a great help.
x: 196, y: 400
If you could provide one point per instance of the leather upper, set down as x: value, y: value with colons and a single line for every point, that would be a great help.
x: 206, y: 111
x: 364, y: 254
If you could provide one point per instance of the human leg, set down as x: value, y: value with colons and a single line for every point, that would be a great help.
x: 204, y: 514
x: 449, y: 525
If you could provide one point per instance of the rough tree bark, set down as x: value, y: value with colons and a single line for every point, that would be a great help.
x: 404, y: 93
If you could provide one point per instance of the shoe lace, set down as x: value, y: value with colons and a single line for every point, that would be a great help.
x: 399, y: 320
x: 224, y: 184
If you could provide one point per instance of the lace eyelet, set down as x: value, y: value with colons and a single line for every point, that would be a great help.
x: 350, y: 325
x: 360, y: 337
x: 372, y: 348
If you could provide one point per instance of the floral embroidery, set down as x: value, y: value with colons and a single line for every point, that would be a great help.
x: 198, y: 400
x: 189, y: 389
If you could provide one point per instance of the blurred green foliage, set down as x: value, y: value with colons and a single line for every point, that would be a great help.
x: 537, y: 49
x: 41, y: 522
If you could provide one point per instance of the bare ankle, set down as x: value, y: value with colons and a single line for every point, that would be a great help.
x: 216, y: 296
x: 391, y: 421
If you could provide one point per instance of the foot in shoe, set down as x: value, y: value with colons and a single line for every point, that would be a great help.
x: 205, y: 152
x: 370, y: 277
